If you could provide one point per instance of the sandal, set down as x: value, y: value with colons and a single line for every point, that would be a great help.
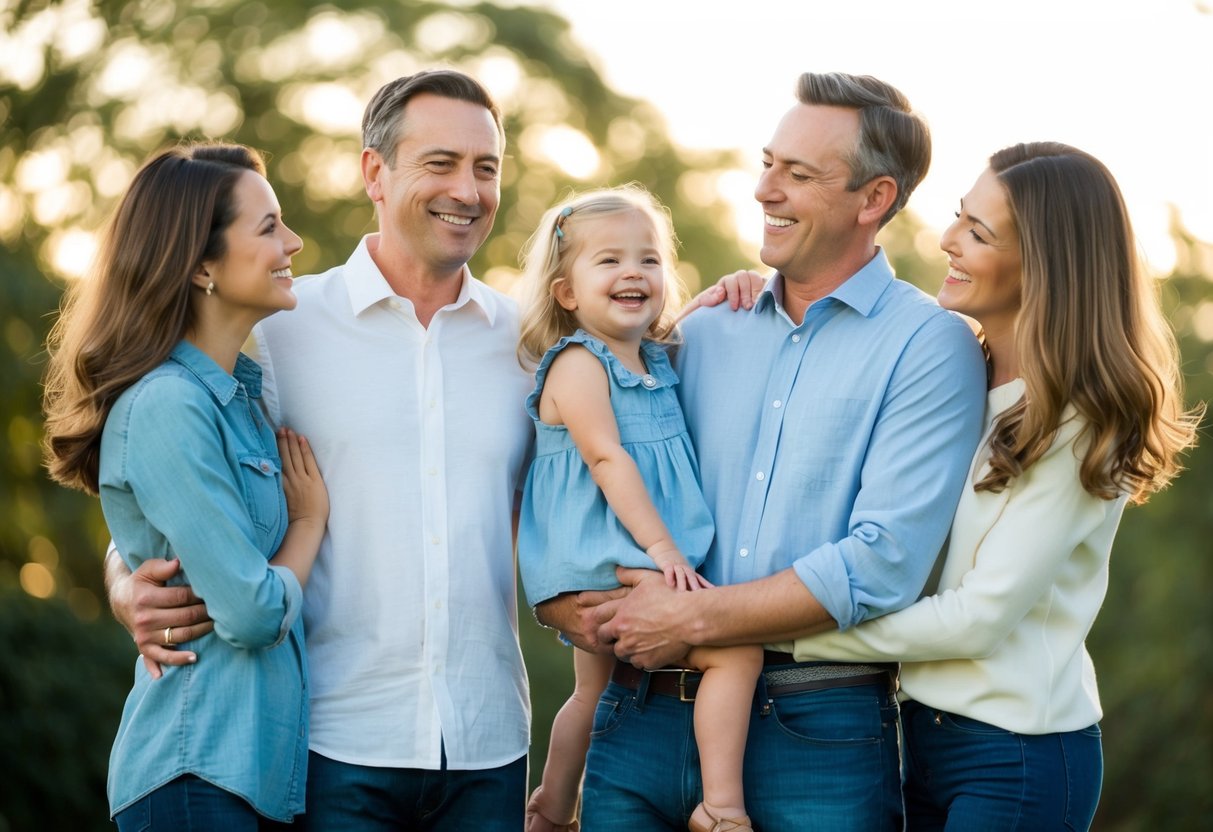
x: 741, y: 824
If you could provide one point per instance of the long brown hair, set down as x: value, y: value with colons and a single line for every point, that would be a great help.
x: 1090, y: 331
x: 125, y: 318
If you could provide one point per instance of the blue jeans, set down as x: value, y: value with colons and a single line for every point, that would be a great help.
x: 966, y: 774
x: 189, y: 804
x: 343, y: 797
x: 819, y: 760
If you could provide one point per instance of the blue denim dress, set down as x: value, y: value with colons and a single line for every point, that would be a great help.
x: 190, y: 470
x: 569, y: 539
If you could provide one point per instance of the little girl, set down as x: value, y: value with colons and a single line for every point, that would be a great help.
x: 614, y: 473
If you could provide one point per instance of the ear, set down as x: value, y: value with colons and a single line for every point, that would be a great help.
x: 879, y: 196
x: 202, y: 276
x: 372, y: 167
x: 562, y: 291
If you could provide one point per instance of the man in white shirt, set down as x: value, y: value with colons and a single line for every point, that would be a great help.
x: 400, y: 369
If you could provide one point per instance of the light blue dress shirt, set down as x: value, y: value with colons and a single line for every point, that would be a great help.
x: 837, y: 447
x: 569, y: 538
x: 190, y: 470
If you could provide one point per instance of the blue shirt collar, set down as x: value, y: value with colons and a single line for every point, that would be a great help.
x: 367, y: 286
x: 860, y: 291
x: 213, y: 377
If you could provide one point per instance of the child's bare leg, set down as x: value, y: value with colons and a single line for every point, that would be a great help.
x: 556, y: 798
x: 722, y: 722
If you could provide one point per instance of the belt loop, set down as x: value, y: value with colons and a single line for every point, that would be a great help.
x: 642, y: 691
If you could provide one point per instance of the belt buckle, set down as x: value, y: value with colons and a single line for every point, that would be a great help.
x: 682, y: 686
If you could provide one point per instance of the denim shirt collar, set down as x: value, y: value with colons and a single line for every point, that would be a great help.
x: 213, y: 377
x: 860, y: 291
x: 367, y: 286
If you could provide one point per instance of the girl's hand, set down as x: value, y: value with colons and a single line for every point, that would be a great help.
x: 306, y: 497
x: 537, y: 821
x: 678, y: 573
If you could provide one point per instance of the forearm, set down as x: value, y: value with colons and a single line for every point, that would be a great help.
x: 617, y: 476
x: 776, y: 608
x: 299, y: 548
x: 116, y: 573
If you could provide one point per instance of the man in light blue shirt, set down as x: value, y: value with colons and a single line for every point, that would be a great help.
x: 834, y: 424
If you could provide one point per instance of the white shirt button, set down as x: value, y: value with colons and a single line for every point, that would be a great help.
x: 435, y: 540
x: 745, y: 553
x: 648, y: 381
x: 777, y: 404
x: 796, y: 338
x: 760, y: 476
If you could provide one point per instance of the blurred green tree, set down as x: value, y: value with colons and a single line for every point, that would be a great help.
x: 88, y: 90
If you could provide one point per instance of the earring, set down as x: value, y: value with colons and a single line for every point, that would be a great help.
x: 210, y: 288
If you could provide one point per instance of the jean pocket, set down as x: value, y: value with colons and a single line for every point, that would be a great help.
x: 965, y: 725
x: 260, y: 480
x: 135, y: 818
x: 832, y: 717
x: 611, y: 709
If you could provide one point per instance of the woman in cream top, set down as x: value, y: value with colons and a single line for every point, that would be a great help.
x: 1084, y: 413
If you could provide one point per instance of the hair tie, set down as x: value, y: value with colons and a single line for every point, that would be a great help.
x: 560, y: 218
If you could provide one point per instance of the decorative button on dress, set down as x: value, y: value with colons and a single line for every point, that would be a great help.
x: 569, y: 539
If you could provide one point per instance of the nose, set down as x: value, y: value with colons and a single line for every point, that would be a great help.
x: 947, y: 240
x: 294, y: 243
x: 765, y: 190
x: 463, y: 186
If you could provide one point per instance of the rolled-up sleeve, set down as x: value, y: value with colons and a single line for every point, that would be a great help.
x: 927, y: 427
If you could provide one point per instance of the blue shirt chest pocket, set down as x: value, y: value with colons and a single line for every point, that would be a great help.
x: 261, y: 484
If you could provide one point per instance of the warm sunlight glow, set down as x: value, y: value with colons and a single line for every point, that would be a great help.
x: 444, y: 31
x: 328, y: 108
x: 973, y: 70
x: 569, y: 149
x: 70, y: 252
x: 37, y: 580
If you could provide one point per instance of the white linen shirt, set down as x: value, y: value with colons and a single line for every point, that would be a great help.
x: 1025, y: 574
x: 411, y: 610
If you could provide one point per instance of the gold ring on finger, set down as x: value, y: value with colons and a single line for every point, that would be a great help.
x: 168, y: 637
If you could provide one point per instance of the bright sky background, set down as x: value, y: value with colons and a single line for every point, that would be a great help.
x: 1130, y: 81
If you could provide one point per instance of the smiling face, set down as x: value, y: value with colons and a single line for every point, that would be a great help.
x: 984, y: 268
x: 615, y: 286
x: 437, y: 203
x: 254, y: 275
x: 811, y: 219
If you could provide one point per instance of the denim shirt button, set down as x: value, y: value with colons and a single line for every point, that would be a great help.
x: 648, y: 381
x: 265, y: 467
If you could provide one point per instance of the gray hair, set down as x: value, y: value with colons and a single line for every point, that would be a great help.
x: 893, y: 139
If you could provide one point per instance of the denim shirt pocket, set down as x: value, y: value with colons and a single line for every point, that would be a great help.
x: 261, y: 481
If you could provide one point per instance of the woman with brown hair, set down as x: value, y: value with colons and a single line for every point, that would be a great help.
x: 150, y: 404
x: 1084, y: 414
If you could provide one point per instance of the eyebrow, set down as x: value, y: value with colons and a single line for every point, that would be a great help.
x: 812, y: 168
x: 454, y: 154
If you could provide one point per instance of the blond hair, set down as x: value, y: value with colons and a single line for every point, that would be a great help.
x: 551, y: 250
x: 1090, y: 331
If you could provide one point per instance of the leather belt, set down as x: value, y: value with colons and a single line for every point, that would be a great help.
x: 781, y: 672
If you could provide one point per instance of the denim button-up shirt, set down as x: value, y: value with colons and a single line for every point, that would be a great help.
x: 838, y: 446
x: 190, y: 470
